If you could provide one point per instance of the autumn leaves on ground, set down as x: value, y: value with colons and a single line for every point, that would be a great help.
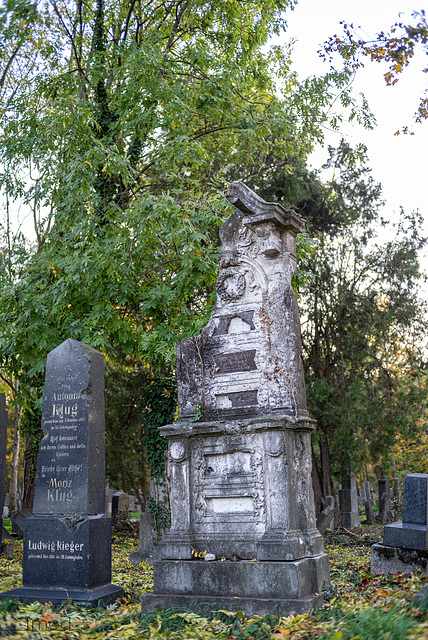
x: 358, y: 606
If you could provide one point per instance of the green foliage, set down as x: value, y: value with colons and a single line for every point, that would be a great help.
x: 397, y: 48
x: 377, y: 624
x: 363, y: 324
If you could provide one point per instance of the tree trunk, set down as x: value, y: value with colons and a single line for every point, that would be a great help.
x: 317, y: 485
x: 30, y: 468
x: 15, y: 459
x: 327, y: 480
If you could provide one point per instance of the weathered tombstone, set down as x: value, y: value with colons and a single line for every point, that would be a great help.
x: 120, y: 504
x: 239, y: 454
x: 405, y: 543
x: 368, y: 504
x: 348, y: 500
x: 384, y: 489
x: 327, y: 514
x: 67, y: 542
x: 3, y: 445
x: 146, y: 546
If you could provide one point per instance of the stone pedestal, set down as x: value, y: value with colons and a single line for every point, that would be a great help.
x: 405, y: 544
x: 239, y: 454
x: 348, y: 501
x: 67, y: 542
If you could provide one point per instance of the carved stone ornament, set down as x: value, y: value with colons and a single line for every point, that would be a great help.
x: 230, y: 285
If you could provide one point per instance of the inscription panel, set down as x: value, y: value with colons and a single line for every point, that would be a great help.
x: 234, y: 362
x: 68, y: 473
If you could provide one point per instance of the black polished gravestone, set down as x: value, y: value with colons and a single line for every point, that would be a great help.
x: 3, y: 444
x: 67, y: 542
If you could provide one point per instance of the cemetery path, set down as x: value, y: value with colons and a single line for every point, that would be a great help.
x: 359, y: 606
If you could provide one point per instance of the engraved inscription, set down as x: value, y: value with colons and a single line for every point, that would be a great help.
x: 243, y: 504
x: 236, y: 399
x: 234, y: 362
x: 226, y: 465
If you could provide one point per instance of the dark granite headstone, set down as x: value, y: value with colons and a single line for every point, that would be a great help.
x: 3, y: 444
x: 67, y: 542
x: 409, y: 537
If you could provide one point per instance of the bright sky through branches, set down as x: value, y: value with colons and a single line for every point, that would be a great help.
x: 398, y: 162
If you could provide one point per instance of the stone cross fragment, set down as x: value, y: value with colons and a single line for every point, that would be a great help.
x: 239, y: 454
x: 67, y: 542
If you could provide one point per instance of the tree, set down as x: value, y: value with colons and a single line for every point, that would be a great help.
x: 396, y: 47
x: 363, y: 322
x: 122, y: 124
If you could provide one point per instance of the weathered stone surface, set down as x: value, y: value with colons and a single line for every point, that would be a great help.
x: 392, y: 560
x: 17, y: 520
x: 3, y: 444
x: 146, y: 547
x: 239, y: 454
x: 326, y: 516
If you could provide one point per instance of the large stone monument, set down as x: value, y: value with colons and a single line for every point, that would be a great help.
x: 67, y: 542
x: 239, y: 454
x: 405, y: 543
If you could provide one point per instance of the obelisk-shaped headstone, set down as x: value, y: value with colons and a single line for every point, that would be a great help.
x: 3, y: 445
x: 67, y: 542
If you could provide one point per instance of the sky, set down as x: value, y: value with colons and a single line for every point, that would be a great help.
x: 397, y: 162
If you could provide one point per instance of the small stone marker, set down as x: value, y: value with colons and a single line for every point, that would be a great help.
x: 405, y: 543
x: 120, y: 504
x: 327, y: 514
x: 348, y: 500
x: 3, y: 445
x: 385, y: 513
x: 240, y: 453
x: 67, y: 542
x: 368, y: 504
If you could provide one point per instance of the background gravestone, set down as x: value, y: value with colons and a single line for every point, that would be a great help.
x: 67, y: 542
x: 405, y: 543
x: 3, y: 445
x: 348, y: 500
x: 240, y: 452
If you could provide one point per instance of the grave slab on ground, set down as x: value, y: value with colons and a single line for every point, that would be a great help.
x: 405, y: 543
x: 239, y: 454
x: 67, y: 542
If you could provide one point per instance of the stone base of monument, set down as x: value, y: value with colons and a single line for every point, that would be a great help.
x: 406, y: 534
x: 67, y: 557
x: 88, y: 598
x: 257, y: 588
x: 394, y: 560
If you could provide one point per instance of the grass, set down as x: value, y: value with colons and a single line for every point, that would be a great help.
x: 358, y: 606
